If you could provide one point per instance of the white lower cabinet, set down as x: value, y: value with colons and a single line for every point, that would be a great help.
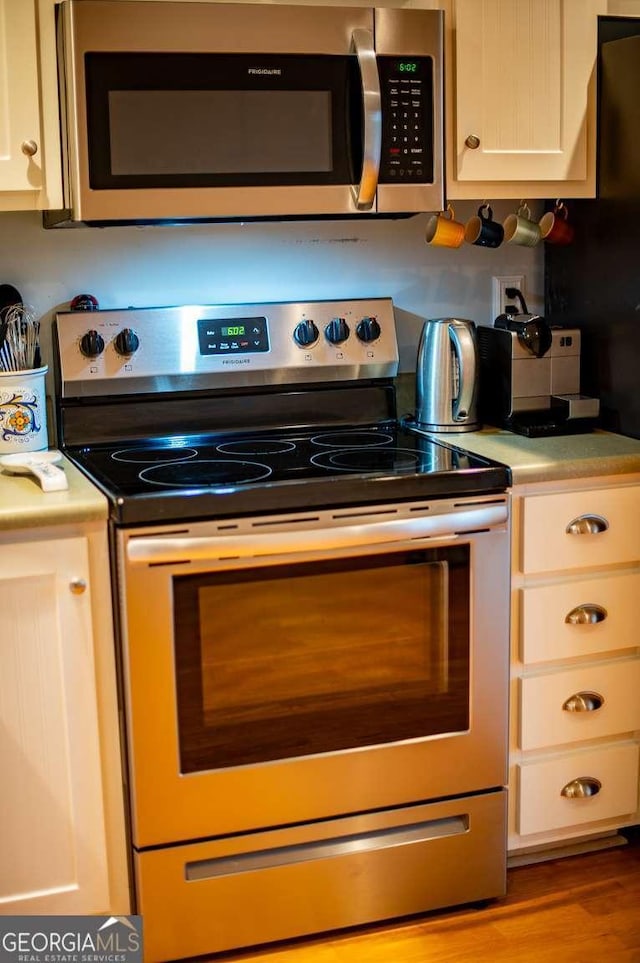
x: 575, y: 709
x: 61, y: 810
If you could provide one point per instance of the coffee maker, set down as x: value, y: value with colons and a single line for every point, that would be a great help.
x: 530, y: 378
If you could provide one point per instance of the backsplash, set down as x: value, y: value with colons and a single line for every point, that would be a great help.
x: 233, y: 263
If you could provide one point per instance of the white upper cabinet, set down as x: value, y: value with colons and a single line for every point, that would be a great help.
x: 29, y: 173
x: 20, y: 147
x: 522, y: 98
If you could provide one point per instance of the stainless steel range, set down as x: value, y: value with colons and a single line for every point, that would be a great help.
x: 312, y: 621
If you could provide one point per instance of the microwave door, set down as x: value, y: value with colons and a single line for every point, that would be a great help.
x: 298, y: 135
x: 204, y: 133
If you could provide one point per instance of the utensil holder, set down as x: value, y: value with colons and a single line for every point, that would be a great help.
x: 23, y: 410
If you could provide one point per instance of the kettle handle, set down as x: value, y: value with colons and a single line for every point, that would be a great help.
x: 464, y: 344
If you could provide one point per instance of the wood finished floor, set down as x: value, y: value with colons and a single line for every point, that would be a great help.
x: 571, y: 910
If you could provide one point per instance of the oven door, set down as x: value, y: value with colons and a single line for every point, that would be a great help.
x: 285, y: 669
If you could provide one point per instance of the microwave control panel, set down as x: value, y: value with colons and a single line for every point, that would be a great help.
x: 406, y: 86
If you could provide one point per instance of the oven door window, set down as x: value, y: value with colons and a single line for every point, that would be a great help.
x: 218, y: 120
x: 291, y: 660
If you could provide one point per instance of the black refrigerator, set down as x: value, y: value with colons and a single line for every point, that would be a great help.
x: 594, y: 282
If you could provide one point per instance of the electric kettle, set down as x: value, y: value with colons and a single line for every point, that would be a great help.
x: 447, y: 376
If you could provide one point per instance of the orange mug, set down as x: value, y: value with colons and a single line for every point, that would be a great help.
x: 554, y: 226
x: 443, y: 230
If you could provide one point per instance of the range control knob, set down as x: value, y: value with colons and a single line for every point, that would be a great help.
x: 337, y: 331
x: 368, y: 330
x: 126, y: 342
x: 91, y: 344
x: 306, y: 333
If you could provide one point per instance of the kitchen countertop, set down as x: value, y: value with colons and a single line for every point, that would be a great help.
x: 23, y: 504
x: 564, y: 457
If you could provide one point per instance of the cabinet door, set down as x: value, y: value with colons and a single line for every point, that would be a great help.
x: 525, y: 70
x: 52, y: 835
x: 20, y: 170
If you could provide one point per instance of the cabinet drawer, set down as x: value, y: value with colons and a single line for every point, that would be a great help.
x: 548, y: 546
x: 544, y: 721
x: 542, y: 806
x: 611, y: 600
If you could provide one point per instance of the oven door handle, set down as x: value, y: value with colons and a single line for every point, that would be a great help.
x: 160, y: 549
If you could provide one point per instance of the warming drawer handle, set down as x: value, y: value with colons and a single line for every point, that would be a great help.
x: 587, y: 614
x: 364, y: 193
x: 587, y: 525
x: 167, y: 549
x: 584, y: 702
x: 581, y: 788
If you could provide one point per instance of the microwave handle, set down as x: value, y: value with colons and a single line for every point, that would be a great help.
x: 364, y: 193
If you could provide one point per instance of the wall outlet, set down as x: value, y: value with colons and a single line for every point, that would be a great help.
x: 499, y: 301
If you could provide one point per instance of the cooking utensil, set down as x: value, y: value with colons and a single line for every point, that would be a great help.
x: 41, y: 464
x: 20, y: 345
x: 8, y: 297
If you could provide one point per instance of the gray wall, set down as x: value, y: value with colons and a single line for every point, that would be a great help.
x: 232, y: 263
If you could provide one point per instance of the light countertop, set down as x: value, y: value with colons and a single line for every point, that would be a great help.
x: 564, y: 457
x: 23, y: 504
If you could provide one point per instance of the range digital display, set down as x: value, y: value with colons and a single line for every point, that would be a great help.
x: 233, y: 335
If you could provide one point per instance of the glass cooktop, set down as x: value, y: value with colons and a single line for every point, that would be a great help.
x: 217, y: 475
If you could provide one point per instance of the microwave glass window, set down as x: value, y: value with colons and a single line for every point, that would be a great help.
x: 219, y: 132
x: 282, y: 661
x: 221, y: 120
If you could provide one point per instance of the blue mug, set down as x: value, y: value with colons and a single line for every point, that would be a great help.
x: 483, y: 230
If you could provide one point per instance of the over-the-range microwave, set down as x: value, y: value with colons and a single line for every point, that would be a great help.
x: 179, y: 111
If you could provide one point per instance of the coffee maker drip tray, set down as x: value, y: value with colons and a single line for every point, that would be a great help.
x: 568, y: 415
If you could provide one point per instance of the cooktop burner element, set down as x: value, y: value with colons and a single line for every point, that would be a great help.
x: 144, y: 454
x: 207, y: 472
x: 179, y: 431
x: 353, y: 439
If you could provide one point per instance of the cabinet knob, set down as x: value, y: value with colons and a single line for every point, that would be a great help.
x: 587, y: 525
x: 78, y: 586
x: 583, y: 702
x: 472, y: 142
x: 581, y: 788
x: 29, y: 147
x: 587, y: 614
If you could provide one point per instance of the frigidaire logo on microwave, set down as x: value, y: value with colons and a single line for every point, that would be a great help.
x: 271, y: 71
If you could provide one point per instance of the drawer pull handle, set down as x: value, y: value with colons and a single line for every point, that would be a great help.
x: 587, y: 614
x: 583, y: 702
x: 587, y: 525
x: 581, y: 788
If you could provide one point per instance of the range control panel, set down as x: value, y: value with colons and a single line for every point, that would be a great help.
x: 407, y: 119
x: 197, y: 347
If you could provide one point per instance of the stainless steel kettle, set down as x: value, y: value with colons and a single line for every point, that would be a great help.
x: 447, y: 376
